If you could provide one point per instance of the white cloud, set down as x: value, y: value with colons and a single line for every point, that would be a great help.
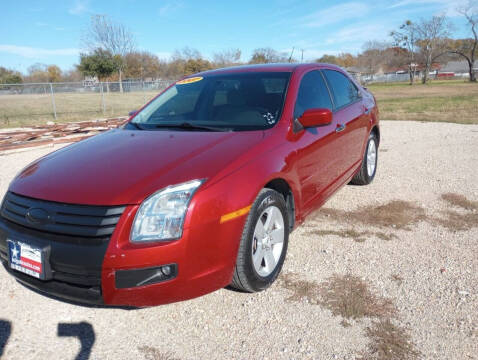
x: 169, y: 8
x: 31, y: 52
x: 335, y: 14
x: 445, y: 6
x: 80, y: 7
x: 359, y: 33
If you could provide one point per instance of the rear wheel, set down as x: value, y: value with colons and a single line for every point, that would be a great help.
x: 369, y: 163
x: 263, y: 244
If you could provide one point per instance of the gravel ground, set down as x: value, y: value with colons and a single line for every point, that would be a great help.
x: 418, y: 255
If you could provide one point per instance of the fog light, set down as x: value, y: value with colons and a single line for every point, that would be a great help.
x: 148, y: 276
x: 166, y: 270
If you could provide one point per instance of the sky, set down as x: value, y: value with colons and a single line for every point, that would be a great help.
x: 51, y: 31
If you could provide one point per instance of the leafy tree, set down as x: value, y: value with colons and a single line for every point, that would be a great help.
x: 193, y: 66
x: 8, y: 76
x: 37, y: 73
x: 140, y: 65
x: 100, y: 63
x: 54, y: 73
x: 329, y: 59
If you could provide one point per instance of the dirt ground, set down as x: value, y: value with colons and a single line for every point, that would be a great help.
x: 386, y: 271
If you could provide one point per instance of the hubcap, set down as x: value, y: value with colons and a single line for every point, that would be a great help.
x: 371, y: 158
x: 268, y: 241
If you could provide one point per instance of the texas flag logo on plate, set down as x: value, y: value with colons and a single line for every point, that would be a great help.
x: 25, y: 258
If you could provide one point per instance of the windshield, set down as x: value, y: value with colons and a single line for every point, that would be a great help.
x: 224, y: 102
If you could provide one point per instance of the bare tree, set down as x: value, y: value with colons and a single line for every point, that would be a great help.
x: 406, y: 36
x: 267, y: 55
x: 467, y: 47
x: 114, y: 37
x: 432, y: 36
x: 227, y: 57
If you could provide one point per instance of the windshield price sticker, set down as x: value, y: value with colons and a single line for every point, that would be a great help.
x: 189, y: 80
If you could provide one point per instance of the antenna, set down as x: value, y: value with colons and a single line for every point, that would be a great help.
x: 291, y: 53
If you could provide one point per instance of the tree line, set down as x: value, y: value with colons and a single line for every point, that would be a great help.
x: 111, y: 53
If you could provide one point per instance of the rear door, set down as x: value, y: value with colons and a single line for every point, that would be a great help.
x: 351, y: 122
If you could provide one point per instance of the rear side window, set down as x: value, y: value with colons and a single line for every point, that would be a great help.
x: 313, y: 94
x: 345, y: 92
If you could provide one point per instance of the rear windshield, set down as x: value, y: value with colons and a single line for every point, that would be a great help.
x: 239, y: 101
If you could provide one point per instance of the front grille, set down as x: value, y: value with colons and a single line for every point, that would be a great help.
x: 84, y: 221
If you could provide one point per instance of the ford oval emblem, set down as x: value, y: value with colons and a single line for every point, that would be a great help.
x: 37, y: 216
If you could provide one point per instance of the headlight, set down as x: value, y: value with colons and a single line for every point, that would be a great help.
x: 160, y: 217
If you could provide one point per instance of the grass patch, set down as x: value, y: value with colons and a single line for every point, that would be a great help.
x: 152, y: 353
x: 350, y: 297
x: 396, y: 214
x: 459, y: 221
x: 389, y: 342
x: 347, y: 296
x: 36, y: 109
x: 460, y: 201
x: 455, y: 221
x: 301, y: 289
x: 439, y: 101
x: 354, y: 235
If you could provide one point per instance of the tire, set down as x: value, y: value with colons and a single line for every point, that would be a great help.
x: 252, y: 274
x: 365, y: 176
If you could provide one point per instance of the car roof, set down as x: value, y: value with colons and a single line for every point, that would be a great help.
x: 276, y: 67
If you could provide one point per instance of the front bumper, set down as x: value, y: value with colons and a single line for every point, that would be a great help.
x: 87, y: 271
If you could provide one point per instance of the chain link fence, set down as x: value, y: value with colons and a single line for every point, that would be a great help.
x: 36, y: 104
x: 386, y: 78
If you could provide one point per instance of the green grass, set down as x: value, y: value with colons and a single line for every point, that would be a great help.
x: 27, y: 110
x: 439, y: 101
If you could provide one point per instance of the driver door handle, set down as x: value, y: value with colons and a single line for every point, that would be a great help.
x: 340, y: 128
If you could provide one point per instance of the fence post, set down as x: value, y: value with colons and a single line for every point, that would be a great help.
x: 144, y: 95
x: 102, y: 98
x: 53, y: 100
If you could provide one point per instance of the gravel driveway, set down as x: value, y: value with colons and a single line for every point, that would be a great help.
x: 386, y: 271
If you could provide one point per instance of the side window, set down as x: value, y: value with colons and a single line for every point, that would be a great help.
x: 313, y: 94
x: 345, y: 92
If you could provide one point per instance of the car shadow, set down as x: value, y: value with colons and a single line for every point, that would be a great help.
x: 84, y: 332
x: 5, y: 332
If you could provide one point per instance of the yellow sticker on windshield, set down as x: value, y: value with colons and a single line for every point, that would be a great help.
x: 189, y: 80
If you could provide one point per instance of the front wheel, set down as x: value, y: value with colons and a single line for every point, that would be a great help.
x: 369, y: 163
x: 263, y: 244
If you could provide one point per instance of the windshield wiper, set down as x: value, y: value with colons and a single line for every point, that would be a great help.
x: 136, y: 125
x: 190, y: 126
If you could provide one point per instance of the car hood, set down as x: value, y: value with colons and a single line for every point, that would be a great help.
x: 122, y: 166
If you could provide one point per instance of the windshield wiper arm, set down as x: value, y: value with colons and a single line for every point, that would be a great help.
x: 136, y: 125
x: 190, y: 126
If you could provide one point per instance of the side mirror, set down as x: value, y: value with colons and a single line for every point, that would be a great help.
x: 316, y: 117
x: 133, y: 113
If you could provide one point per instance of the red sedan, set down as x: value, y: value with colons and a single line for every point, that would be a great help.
x: 199, y: 190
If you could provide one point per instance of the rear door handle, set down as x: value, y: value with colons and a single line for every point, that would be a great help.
x: 340, y: 128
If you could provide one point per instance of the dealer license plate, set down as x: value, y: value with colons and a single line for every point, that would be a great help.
x: 25, y: 258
